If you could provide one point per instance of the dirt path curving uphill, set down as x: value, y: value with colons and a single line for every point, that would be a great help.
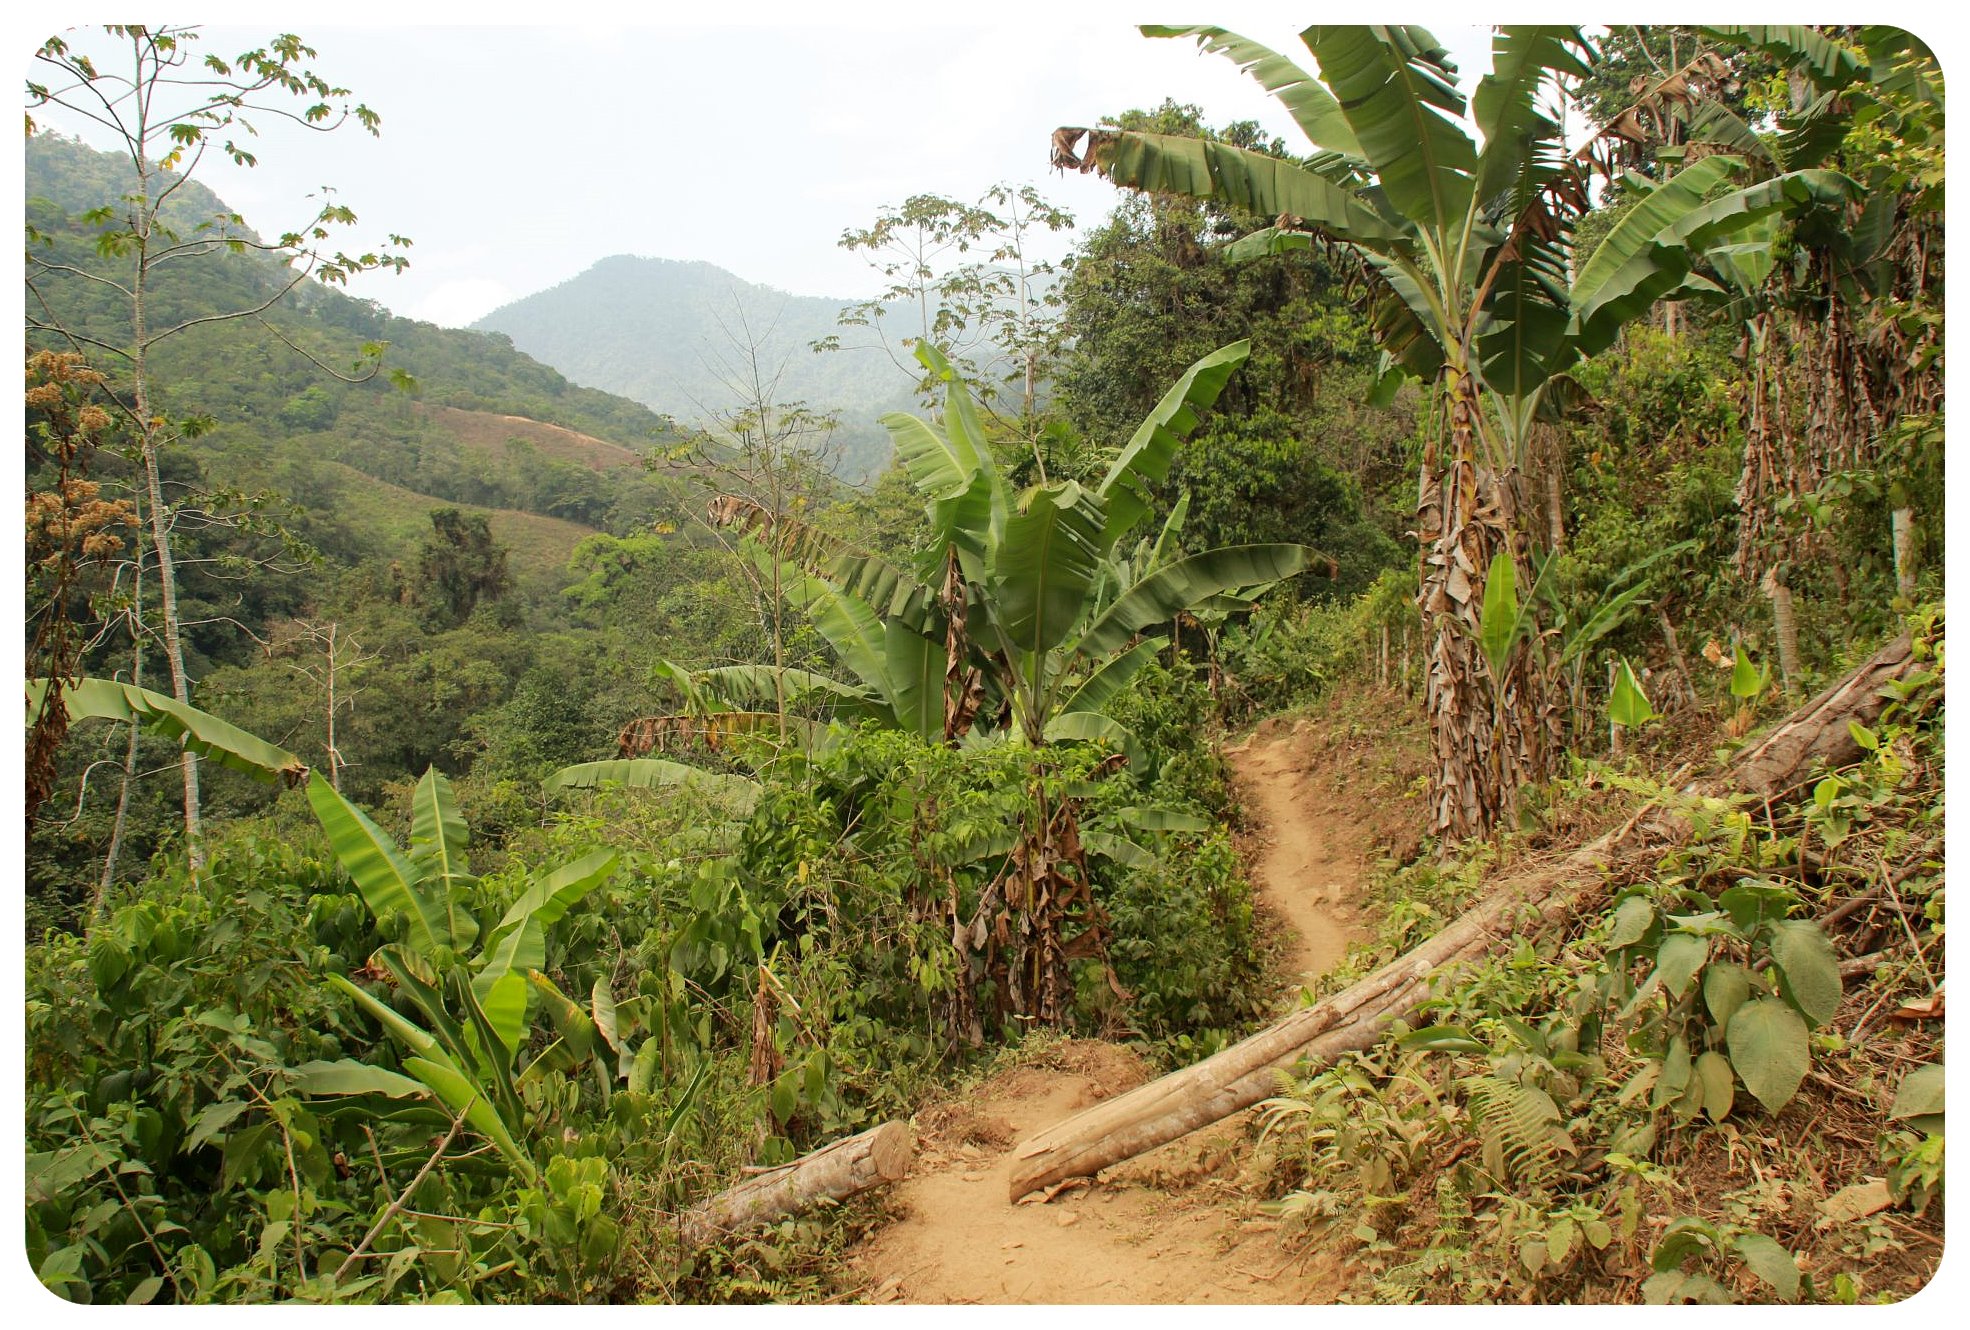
x: 1307, y: 856
x: 1176, y: 1225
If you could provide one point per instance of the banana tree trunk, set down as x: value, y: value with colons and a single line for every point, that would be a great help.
x: 1488, y: 737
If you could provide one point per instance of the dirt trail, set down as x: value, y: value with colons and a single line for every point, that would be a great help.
x: 1174, y: 1225
x: 1308, y: 857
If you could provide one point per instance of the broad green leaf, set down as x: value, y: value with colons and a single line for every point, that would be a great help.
x: 602, y: 1010
x: 1729, y: 216
x: 763, y: 685
x: 351, y: 1077
x: 1685, y: 1236
x: 1101, y: 687
x: 914, y: 666
x: 649, y: 1061
x: 1526, y: 60
x: 652, y: 773
x: 1159, y: 597
x: 575, y: 1026
x: 410, y: 1035
x: 1630, y: 269
x: 1713, y: 1073
x: 1628, y: 705
x: 1726, y: 987
x: 1747, y: 680
x: 1771, y: 1263
x: 1250, y: 181
x: 461, y: 1096
x: 1398, y: 91
x: 1675, y: 1077
x: 1755, y: 901
x: 1770, y: 1048
x: 1809, y: 968
x: 1813, y: 53
x: 545, y: 900
x: 1921, y: 1093
x: 1045, y: 566
x: 1632, y: 919
x: 503, y: 999
x: 198, y: 731
x: 1678, y: 959
x: 1312, y: 107
x: 1162, y: 819
x: 1498, y: 624
x: 1092, y: 727
x: 1118, y: 848
x: 385, y: 878
x: 854, y: 630
x: 1444, y: 1039
x: 438, y: 836
x: 1145, y: 460
x: 419, y: 987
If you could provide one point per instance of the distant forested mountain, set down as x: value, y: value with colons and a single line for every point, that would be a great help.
x: 677, y: 336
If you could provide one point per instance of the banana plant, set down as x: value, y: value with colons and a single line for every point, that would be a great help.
x: 476, y: 1005
x: 1019, y: 603
x: 1462, y: 212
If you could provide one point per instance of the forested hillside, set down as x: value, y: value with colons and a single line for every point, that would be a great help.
x: 691, y: 339
x: 1375, y: 737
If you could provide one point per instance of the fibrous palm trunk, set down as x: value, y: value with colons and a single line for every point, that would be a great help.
x: 1489, y: 737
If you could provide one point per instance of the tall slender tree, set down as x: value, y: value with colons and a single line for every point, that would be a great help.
x: 165, y: 108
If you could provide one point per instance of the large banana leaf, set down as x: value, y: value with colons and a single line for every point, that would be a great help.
x: 1795, y: 192
x: 1146, y: 458
x: 855, y: 632
x: 1159, y: 597
x: 1525, y: 60
x: 754, y: 685
x: 966, y: 433
x: 518, y: 940
x: 406, y: 1032
x: 1045, y: 566
x: 1398, y: 90
x: 1092, y: 727
x: 348, y: 1076
x: 1312, y: 107
x: 948, y: 475
x: 199, y: 731
x: 1252, y: 181
x: 438, y: 836
x: 1409, y: 320
x: 1523, y: 340
x: 1100, y: 687
x: 388, y: 881
x: 1631, y: 269
x: 1826, y: 62
x: 915, y: 666
x: 653, y: 773
x: 465, y: 1098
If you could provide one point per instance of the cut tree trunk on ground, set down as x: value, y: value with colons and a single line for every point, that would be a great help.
x: 1354, y: 1019
x: 834, y: 1172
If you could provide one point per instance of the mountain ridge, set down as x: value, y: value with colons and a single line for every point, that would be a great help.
x: 688, y: 338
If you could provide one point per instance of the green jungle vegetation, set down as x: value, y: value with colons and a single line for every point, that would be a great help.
x: 472, y: 819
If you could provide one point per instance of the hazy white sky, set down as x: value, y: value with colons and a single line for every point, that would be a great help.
x: 516, y: 156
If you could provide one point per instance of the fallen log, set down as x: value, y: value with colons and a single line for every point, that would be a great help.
x: 834, y: 1172
x: 1353, y: 1019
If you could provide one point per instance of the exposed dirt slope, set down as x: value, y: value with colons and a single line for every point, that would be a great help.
x: 1176, y: 1225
